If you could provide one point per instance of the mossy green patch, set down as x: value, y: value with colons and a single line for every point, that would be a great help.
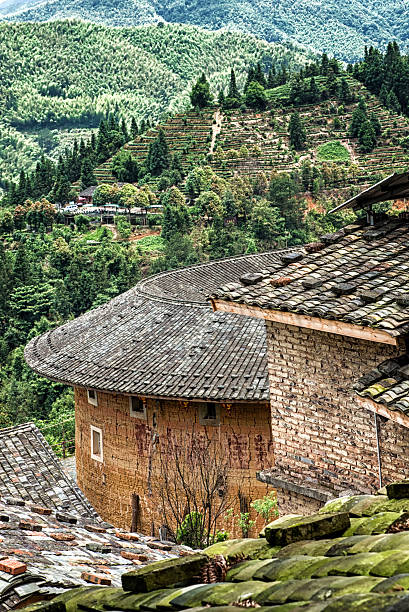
x: 392, y: 541
x: 366, y: 544
x: 370, y: 602
x: 229, y: 592
x: 287, y: 568
x: 164, y: 574
x: 343, y: 504
x: 220, y: 548
x: 279, y: 592
x: 348, y: 585
x: 246, y: 548
x: 333, y: 151
x: 306, y: 589
x: 188, y: 597
x: 245, y: 570
x: 312, y: 527
x: 354, y: 524
x: 71, y: 598
x: 379, y: 523
x: 369, y: 506
x: 394, y: 505
x: 343, y: 545
x: 396, y: 563
x: 351, y: 565
x: 399, y: 582
x: 312, y: 548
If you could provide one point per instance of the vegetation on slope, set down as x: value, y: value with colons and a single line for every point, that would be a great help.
x: 231, y: 179
x: 342, y: 29
x: 64, y: 75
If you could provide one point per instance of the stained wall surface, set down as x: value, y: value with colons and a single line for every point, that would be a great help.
x: 131, y: 462
x: 321, y: 434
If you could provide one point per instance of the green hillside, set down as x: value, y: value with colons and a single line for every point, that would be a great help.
x: 64, y: 76
x: 251, y: 143
x: 341, y: 28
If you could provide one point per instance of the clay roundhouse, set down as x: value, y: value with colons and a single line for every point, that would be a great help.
x: 151, y: 365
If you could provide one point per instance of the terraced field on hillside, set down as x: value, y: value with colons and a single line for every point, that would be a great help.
x: 250, y: 142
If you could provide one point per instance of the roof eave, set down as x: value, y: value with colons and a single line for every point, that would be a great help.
x: 299, y: 320
x: 382, y: 410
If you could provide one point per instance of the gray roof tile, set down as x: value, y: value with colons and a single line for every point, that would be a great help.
x: 162, y: 339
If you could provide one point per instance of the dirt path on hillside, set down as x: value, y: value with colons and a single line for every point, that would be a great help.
x: 350, y: 150
x: 216, y: 129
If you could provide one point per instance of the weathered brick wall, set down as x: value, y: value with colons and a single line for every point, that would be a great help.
x: 131, y: 455
x: 290, y: 502
x: 321, y: 434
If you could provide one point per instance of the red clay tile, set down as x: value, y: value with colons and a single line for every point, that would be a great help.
x: 62, y: 537
x: 127, y: 536
x: 126, y: 554
x: 95, y: 578
x: 12, y: 566
x: 41, y: 510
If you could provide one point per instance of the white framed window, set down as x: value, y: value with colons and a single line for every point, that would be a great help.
x: 97, y: 451
x: 209, y: 414
x: 92, y: 397
x: 137, y: 407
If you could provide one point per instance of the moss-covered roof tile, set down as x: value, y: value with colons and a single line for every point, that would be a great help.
x: 363, y: 569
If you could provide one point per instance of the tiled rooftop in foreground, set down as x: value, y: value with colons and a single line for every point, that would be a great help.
x: 44, y: 552
x: 30, y: 471
x: 352, y: 555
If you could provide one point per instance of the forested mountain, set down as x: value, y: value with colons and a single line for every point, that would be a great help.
x: 64, y: 76
x: 341, y: 28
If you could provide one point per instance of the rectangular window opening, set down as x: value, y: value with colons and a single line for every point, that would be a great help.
x: 92, y: 397
x: 96, y: 444
x: 209, y: 414
x: 137, y: 407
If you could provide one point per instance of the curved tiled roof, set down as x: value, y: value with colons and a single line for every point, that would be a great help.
x: 162, y: 339
x: 387, y: 384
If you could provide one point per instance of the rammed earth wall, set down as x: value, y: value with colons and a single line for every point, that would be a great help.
x: 131, y: 458
x: 321, y: 434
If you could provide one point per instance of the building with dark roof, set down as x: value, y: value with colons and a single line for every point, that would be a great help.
x: 337, y: 321
x: 156, y: 364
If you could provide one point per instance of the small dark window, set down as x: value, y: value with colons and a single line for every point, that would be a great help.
x: 92, y: 397
x: 137, y: 407
x: 210, y: 412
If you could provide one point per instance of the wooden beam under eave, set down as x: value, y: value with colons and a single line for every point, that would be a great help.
x: 382, y: 410
x: 290, y: 318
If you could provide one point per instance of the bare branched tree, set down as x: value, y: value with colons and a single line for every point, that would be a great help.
x: 194, y: 492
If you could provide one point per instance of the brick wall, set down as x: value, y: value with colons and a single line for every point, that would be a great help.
x: 321, y: 434
x: 294, y: 503
x: 131, y: 460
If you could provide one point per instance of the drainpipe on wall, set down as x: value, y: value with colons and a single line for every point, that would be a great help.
x: 378, y: 449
